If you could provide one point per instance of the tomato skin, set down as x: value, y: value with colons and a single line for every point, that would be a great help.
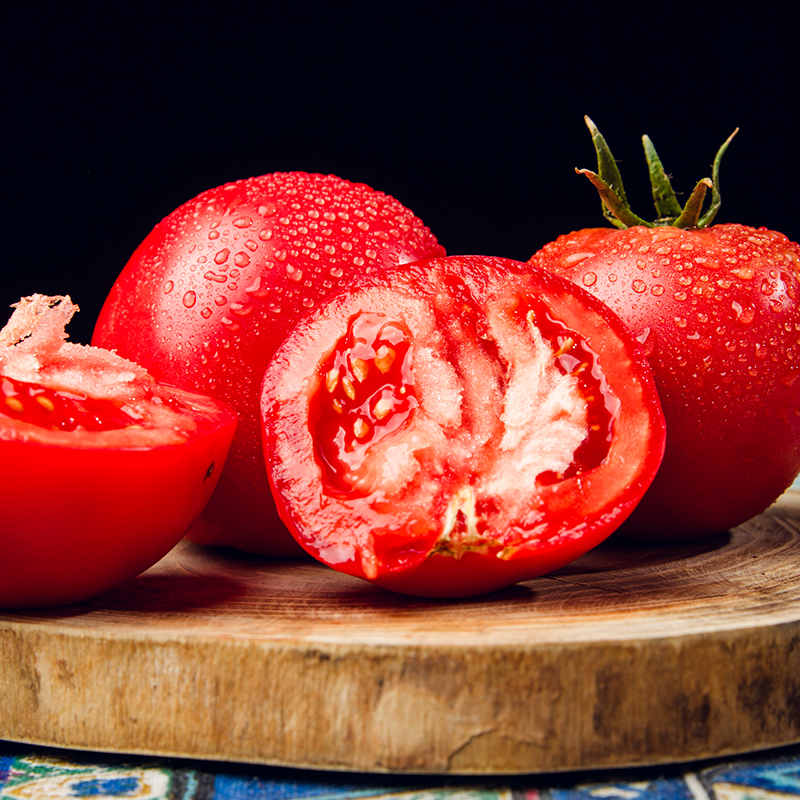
x: 464, y: 515
x: 81, y: 518
x: 718, y: 312
x: 214, y: 288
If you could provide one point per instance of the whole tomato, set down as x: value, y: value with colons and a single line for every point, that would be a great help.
x: 102, y: 469
x: 211, y: 292
x: 717, y: 309
x: 458, y: 425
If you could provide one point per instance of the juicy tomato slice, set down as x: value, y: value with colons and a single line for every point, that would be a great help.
x: 102, y: 470
x: 458, y: 425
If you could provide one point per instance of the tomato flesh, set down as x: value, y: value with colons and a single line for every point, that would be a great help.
x: 458, y: 409
x: 102, y: 470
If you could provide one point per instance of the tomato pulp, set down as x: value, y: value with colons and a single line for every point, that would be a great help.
x: 458, y: 425
x: 102, y: 469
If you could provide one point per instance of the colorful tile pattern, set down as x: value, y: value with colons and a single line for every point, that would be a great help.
x: 31, y: 773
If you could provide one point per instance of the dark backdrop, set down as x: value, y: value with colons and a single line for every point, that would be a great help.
x: 473, y: 121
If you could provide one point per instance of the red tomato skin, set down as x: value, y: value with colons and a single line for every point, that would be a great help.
x: 79, y: 519
x: 211, y: 292
x: 718, y: 312
x: 580, y: 512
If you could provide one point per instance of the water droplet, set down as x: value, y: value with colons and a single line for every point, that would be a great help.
x: 214, y: 276
x: 680, y: 296
x: 189, y: 299
x: 371, y: 254
x: 222, y: 256
x: 329, y: 249
x: 358, y: 261
x: 294, y: 273
x: 657, y: 290
x: 680, y: 322
x: 251, y: 245
x: 744, y: 314
x: 280, y: 255
x: 308, y: 302
x: 589, y: 279
x: 268, y: 209
x: 364, y: 226
x: 265, y: 234
x: 337, y: 272
x: 213, y: 235
x: 241, y: 259
x: 206, y: 313
x: 168, y: 287
x: 639, y: 286
x: 220, y: 300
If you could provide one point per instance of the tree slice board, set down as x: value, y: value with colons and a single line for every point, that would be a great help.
x: 630, y: 656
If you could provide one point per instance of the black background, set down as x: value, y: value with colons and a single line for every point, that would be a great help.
x: 474, y: 121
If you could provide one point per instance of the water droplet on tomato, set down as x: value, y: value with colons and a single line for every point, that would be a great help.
x: 589, y: 279
x: 189, y: 299
x: 222, y: 256
x: 639, y: 286
x: 242, y: 222
x: 220, y: 300
x: 267, y: 209
x: 206, y: 312
x: 241, y: 259
x: 657, y: 290
x: 168, y: 287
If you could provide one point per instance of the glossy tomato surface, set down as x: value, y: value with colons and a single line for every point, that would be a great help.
x: 718, y: 313
x: 458, y: 425
x: 212, y: 291
x: 102, y: 469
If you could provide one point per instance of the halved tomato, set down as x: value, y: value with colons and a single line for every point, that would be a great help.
x: 102, y: 469
x: 457, y: 425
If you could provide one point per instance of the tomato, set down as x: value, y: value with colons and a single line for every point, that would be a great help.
x: 214, y: 288
x: 717, y: 308
x: 458, y: 425
x: 102, y: 469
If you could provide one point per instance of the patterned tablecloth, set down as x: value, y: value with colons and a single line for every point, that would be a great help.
x: 36, y: 773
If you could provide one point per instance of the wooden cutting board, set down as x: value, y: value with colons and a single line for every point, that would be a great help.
x: 629, y: 656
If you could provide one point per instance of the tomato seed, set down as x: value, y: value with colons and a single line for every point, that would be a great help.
x: 360, y: 428
x: 332, y: 380
x: 360, y: 369
x: 384, y: 358
x: 46, y: 403
x: 349, y: 388
x: 15, y: 405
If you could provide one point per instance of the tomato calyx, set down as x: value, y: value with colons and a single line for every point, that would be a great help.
x: 616, y: 209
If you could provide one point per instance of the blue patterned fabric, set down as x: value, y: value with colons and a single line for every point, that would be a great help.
x: 32, y: 773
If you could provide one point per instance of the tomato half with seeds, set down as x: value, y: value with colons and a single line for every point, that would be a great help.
x: 458, y: 425
x: 102, y: 469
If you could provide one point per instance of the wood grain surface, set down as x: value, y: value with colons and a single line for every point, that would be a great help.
x: 629, y: 656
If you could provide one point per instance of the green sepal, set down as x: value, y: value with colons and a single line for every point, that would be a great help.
x: 667, y: 206
x: 608, y: 182
x: 608, y: 175
x: 616, y: 210
x: 708, y: 217
x: 690, y: 215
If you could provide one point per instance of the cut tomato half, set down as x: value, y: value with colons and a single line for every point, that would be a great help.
x: 102, y: 469
x: 458, y: 425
